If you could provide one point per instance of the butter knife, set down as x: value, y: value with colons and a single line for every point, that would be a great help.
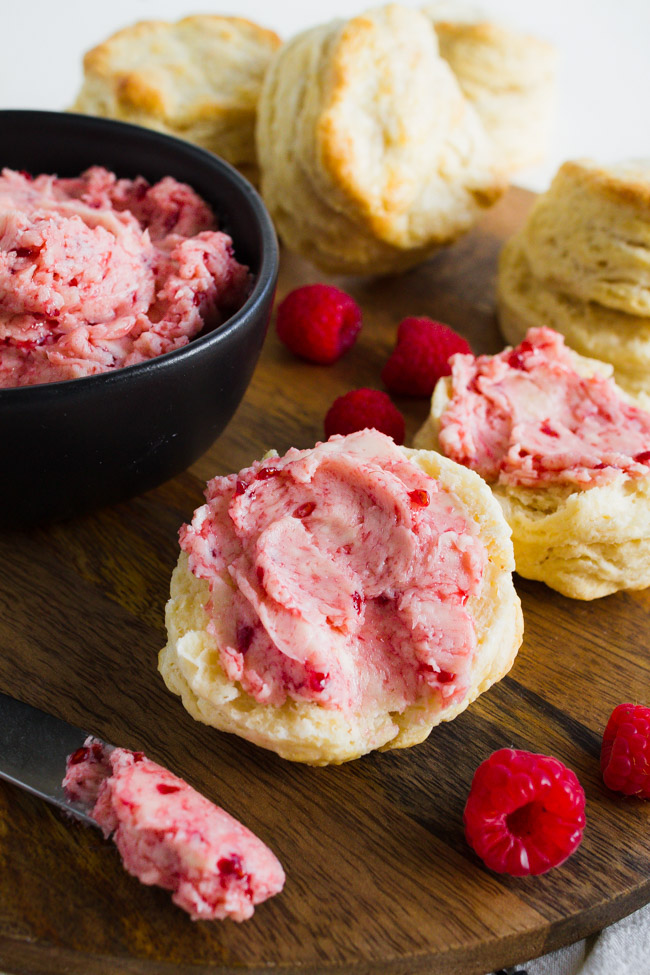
x: 34, y: 747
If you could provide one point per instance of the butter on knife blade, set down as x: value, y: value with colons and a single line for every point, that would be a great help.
x: 167, y: 833
x: 34, y: 747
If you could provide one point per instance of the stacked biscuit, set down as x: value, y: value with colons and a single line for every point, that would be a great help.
x: 379, y: 139
x: 370, y: 156
x: 581, y: 265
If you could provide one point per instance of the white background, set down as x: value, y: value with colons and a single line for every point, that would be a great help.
x: 604, y: 45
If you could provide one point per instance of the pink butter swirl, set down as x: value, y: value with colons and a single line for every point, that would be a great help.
x: 98, y: 272
x: 170, y: 835
x: 339, y: 575
x: 527, y: 417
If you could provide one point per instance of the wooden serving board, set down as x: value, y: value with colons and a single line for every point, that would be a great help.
x: 380, y: 879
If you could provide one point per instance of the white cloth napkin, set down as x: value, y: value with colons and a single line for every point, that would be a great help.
x: 621, y: 949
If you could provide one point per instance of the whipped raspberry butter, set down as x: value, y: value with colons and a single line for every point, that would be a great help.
x: 98, y: 272
x: 526, y: 417
x: 170, y: 835
x: 341, y: 575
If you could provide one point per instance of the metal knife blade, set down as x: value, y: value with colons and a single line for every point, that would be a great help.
x: 33, y: 751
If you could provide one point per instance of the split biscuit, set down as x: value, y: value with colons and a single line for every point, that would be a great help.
x: 370, y: 156
x: 583, y: 542
x: 198, y: 79
x: 305, y: 731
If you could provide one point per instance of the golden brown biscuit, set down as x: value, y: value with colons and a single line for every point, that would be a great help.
x: 581, y: 265
x: 585, y: 543
x: 307, y: 732
x: 509, y: 78
x: 589, y: 235
x: 370, y: 157
x: 198, y: 79
x: 591, y: 329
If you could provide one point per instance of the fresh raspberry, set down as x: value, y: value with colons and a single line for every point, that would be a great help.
x: 363, y: 408
x: 525, y: 813
x: 625, y: 753
x: 318, y: 322
x: 420, y: 356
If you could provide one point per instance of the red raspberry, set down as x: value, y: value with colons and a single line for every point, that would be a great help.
x: 525, y: 813
x: 318, y: 322
x: 420, y: 356
x: 625, y: 753
x: 363, y: 408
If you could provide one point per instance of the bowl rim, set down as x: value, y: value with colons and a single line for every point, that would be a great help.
x: 264, y: 278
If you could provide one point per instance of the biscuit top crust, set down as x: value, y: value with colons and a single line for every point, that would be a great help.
x: 342, y: 574
x: 626, y: 182
x: 170, y: 835
x: 527, y: 417
x: 394, y: 123
x: 588, y: 236
x: 494, y: 55
x: 181, y: 71
x: 98, y: 272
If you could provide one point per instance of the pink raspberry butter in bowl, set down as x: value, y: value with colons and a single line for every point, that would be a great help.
x: 137, y: 275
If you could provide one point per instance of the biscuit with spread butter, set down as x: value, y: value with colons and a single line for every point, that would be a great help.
x: 204, y: 631
x: 585, y: 542
x: 370, y: 156
x: 198, y: 79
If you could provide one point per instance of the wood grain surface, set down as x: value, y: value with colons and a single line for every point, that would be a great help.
x: 380, y: 879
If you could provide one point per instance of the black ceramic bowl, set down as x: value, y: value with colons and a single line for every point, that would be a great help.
x: 72, y: 446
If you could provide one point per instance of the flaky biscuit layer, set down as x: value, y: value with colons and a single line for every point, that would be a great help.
x: 307, y: 732
x: 589, y: 328
x: 585, y: 543
x: 370, y: 156
x: 589, y: 235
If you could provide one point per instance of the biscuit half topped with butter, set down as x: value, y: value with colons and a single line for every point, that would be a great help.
x: 566, y: 453
x: 370, y: 156
x: 341, y: 599
x: 198, y: 78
